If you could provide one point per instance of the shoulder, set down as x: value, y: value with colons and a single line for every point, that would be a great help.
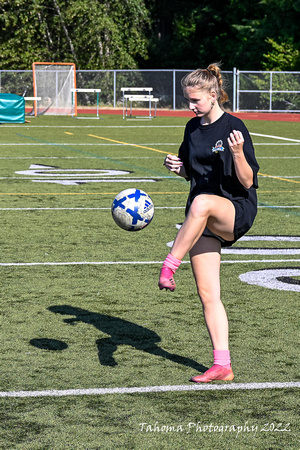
x: 192, y: 124
x: 235, y: 122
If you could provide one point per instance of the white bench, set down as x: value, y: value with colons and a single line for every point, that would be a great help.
x: 35, y: 99
x: 32, y: 98
x: 144, y: 95
x: 74, y: 102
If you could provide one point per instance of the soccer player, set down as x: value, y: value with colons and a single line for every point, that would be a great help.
x: 217, y: 158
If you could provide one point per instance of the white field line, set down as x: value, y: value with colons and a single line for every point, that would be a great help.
x: 91, y: 178
x: 95, y: 126
x: 113, y: 144
x: 249, y: 237
x: 150, y: 389
x: 119, y: 157
x: 133, y: 126
x: 103, y: 179
x: 275, y: 137
x: 108, y: 209
x: 22, y: 144
x: 125, y: 263
x: 261, y: 251
x: 290, y: 140
x: 275, y: 143
x: 89, y: 157
x: 82, y: 208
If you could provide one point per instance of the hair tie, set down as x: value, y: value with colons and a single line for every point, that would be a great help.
x: 209, y: 71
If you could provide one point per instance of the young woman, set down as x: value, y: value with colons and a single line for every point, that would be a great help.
x: 217, y: 157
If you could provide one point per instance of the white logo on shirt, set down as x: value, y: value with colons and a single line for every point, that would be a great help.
x: 218, y: 147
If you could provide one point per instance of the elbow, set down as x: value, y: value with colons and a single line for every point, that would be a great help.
x: 248, y: 181
x: 248, y: 185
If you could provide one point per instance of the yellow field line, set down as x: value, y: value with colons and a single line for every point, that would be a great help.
x: 277, y: 192
x: 161, y: 151
x: 127, y: 143
x: 277, y: 178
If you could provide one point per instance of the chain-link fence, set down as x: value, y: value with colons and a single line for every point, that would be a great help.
x: 247, y: 90
x: 18, y: 82
x: 267, y: 91
x: 165, y: 83
x: 166, y: 86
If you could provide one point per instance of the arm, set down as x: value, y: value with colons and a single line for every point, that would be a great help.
x: 242, y: 168
x: 174, y: 164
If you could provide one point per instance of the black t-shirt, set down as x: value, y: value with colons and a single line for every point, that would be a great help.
x: 210, y: 168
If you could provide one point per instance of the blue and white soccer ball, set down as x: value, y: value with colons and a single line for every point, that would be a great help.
x: 132, y: 209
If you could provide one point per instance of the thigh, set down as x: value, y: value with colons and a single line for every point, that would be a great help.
x: 205, y: 258
x: 220, y: 213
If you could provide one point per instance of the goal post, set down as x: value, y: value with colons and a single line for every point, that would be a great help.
x: 53, y: 82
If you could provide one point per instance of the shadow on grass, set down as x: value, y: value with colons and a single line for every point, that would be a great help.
x: 48, y: 344
x: 121, y: 332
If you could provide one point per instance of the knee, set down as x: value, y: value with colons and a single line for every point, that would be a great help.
x: 205, y: 298
x: 210, y: 303
x: 200, y: 206
x: 209, y: 295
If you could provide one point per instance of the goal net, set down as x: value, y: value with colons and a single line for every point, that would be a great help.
x: 52, y: 83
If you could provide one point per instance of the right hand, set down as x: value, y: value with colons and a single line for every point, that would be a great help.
x: 173, y: 163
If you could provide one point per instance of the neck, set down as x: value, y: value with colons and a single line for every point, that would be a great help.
x: 214, y: 114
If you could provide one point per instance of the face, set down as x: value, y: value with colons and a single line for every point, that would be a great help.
x: 200, y: 102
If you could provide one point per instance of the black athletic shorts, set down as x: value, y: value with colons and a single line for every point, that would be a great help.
x: 244, y: 219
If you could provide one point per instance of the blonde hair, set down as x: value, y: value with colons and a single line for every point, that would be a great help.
x: 209, y: 79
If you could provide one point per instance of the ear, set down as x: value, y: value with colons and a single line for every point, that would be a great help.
x: 213, y: 95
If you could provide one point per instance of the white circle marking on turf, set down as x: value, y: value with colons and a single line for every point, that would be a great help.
x: 270, y: 278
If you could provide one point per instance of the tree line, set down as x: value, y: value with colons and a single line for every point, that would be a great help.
x: 151, y: 34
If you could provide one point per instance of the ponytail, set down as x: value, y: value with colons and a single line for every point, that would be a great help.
x: 209, y: 79
x: 215, y: 70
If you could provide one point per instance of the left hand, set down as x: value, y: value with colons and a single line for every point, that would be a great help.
x: 173, y: 163
x: 236, y: 142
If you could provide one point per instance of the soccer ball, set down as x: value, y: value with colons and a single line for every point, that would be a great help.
x: 132, y: 209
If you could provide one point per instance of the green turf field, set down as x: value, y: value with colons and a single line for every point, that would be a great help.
x: 93, y: 355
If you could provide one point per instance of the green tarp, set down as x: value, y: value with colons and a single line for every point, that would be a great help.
x: 12, y: 108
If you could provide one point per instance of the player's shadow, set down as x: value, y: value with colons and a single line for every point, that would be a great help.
x: 121, y: 332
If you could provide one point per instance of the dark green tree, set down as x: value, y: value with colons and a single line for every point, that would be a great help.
x: 238, y: 33
x: 113, y: 34
x: 94, y: 34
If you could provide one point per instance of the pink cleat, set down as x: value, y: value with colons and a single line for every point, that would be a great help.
x: 166, y: 280
x: 216, y: 372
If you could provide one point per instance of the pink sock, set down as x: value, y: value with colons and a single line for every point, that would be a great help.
x: 222, y: 358
x: 171, y: 263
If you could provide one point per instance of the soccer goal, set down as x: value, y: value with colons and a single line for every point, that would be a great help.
x: 53, y: 82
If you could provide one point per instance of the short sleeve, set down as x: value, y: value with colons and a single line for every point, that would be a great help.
x: 183, y: 154
x: 250, y: 155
